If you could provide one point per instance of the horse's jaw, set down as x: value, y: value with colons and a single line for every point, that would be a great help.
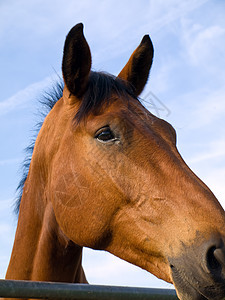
x: 195, y: 266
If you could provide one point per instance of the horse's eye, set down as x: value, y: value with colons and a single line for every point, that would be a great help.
x: 105, y: 135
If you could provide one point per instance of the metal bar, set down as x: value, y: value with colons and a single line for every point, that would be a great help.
x: 52, y: 290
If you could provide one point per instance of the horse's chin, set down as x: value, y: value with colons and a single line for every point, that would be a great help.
x: 184, y: 289
x: 187, y: 290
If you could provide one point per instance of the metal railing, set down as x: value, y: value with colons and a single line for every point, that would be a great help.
x: 53, y: 290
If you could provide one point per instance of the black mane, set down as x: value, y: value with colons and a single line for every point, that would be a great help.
x: 47, y: 101
x: 100, y: 88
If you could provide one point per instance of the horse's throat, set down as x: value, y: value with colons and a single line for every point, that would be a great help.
x: 41, y: 251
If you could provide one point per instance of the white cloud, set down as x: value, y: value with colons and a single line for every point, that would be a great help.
x: 5, y: 205
x: 110, y: 42
x: 203, y: 46
x: 21, y: 98
x: 199, y: 110
x: 166, y: 12
x: 210, y: 166
x: 116, y: 29
x: 213, y: 176
x: 4, y: 228
x: 102, y: 267
x: 150, y: 19
x: 215, y: 180
x: 203, y: 43
x: 209, y: 107
x: 215, y: 149
x: 7, y: 231
x: 4, y: 260
x: 9, y: 161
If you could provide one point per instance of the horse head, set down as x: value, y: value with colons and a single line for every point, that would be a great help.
x: 115, y: 180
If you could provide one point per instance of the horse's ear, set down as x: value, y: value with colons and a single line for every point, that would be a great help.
x: 137, y: 69
x: 76, y: 62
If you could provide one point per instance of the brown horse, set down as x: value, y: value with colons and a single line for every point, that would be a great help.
x: 106, y: 174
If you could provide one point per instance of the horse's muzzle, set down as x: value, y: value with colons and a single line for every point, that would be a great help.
x: 200, y: 272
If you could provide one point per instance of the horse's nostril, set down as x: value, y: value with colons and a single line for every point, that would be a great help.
x: 220, y: 256
x: 213, y: 263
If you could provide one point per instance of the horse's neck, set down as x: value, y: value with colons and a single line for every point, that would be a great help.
x: 41, y: 251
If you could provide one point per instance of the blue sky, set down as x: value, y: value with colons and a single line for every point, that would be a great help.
x: 187, y: 77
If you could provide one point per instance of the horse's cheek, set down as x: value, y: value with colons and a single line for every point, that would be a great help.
x: 69, y: 204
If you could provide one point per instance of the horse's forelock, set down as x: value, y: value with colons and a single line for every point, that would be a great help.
x: 100, y: 89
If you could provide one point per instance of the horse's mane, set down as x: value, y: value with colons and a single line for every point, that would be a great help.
x: 100, y: 88
x: 47, y: 101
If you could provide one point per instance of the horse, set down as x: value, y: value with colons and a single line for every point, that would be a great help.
x: 105, y: 173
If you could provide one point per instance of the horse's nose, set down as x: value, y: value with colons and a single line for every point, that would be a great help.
x: 215, y: 257
x: 199, y: 273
